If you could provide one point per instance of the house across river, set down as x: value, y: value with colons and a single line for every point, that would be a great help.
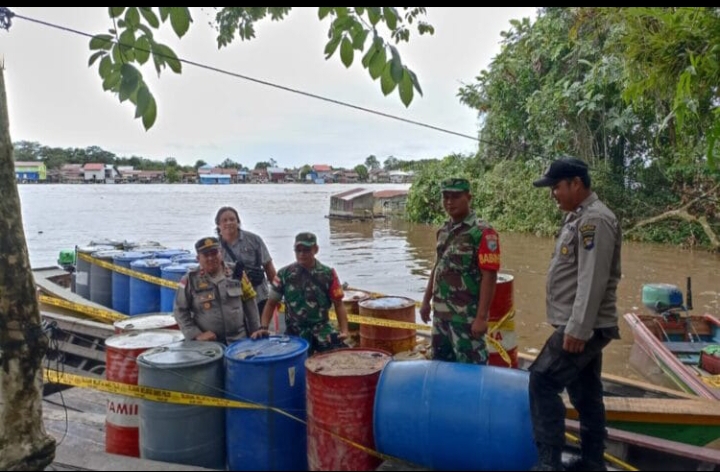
x: 363, y: 204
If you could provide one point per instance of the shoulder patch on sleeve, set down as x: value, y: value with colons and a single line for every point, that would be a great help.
x: 489, y: 250
x: 587, y: 234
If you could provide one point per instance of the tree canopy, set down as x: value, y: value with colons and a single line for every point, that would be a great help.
x: 630, y: 90
x: 131, y: 43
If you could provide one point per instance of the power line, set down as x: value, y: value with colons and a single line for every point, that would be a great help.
x: 258, y: 81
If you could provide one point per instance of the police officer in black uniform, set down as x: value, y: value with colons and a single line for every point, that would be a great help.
x: 581, y: 305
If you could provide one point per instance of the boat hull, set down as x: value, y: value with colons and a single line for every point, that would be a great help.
x: 671, y: 362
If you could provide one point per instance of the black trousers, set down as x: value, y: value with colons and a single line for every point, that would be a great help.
x: 555, y: 370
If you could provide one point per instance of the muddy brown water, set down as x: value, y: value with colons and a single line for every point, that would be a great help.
x: 390, y: 257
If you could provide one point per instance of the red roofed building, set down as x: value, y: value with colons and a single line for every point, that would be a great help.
x: 94, y: 172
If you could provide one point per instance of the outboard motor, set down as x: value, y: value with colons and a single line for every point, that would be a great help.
x: 660, y: 298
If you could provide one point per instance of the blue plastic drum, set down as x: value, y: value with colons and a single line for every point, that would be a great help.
x: 145, y: 295
x: 172, y: 272
x: 452, y: 416
x: 121, y: 282
x: 269, y: 372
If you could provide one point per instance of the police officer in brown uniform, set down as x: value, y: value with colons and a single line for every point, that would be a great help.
x: 581, y: 304
x: 211, y: 305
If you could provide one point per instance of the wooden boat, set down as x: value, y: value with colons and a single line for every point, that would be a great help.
x: 631, y: 405
x: 627, y: 451
x: 78, y: 417
x: 673, y: 347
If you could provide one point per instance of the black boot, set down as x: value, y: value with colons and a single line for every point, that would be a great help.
x: 548, y: 457
x: 592, y: 458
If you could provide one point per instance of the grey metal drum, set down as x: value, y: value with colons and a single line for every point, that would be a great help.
x: 183, y: 434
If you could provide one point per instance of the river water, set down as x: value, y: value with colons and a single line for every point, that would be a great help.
x: 391, y: 257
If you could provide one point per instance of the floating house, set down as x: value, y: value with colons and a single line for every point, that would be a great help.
x: 352, y: 204
x: 389, y: 202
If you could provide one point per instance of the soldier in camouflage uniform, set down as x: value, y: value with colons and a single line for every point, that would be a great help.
x: 310, y: 289
x: 211, y: 305
x: 462, y: 283
x: 581, y: 305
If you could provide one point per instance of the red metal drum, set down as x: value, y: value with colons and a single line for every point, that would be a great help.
x: 393, y: 340
x: 502, y: 310
x: 350, y: 300
x: 340, y: 404
x: 145, y: 322
x: 122, y: 421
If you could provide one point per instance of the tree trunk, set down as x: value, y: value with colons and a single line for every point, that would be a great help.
x: 24, y: 444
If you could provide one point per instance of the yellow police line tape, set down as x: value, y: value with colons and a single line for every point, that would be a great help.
x: 247, y: 289
x: 96, y: 313
x: 712, y: 380
x: 608, y: 457
x: 507, y: 321
x: 181, y: 398
x: 109, y: 316
x: 129, y: 272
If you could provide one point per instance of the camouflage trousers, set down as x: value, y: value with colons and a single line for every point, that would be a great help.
x: 321, y: 336
x: 452, y: 341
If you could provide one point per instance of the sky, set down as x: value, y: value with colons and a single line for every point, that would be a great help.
x: 55, y: 99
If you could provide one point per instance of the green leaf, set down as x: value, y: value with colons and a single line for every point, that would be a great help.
x: 115, y: 12
x: 143, y: 100
x: 332, y: 45
x: 387, y: 84
x: 367, y: 58
x: 414, y: 80
x: 390, y: 17
x: 377, y: 64
x: 128, y: 72
x: 150, y: 114
x: 105, y: 67
x: 101, y: 41
x: 168, y: 57
x: 396, y: 67
x: 346, y: 52
x: 150, y: 16
x: 128, y: 85
x: 142, y: 49
x: 127, y: 39
x: 132, y: 17
x: 117, y: 54
x: 158, y: 61
x: 406, y: 89
x: 164, y: 13
x: 324, y: 11
x: 374, y: 15
x: 95, y: 57
x: 180, y: 20
x: 359, y: 39
x: 111, y: 81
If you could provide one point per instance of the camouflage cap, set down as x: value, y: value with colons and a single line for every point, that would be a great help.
x: 306, y: 239
x: 207, y: 244
x: 455, y: 185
